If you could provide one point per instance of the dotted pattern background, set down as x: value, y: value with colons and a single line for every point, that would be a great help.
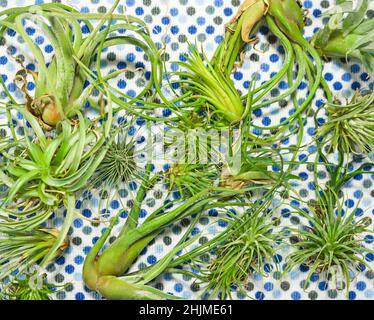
x: 173, y: 23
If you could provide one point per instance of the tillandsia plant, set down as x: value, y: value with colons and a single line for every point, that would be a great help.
x: 211, y: 87
x: 347, y: 131
x: 226, y: 161
x: 349, y: 33
x: 60, y: 86
x: 39, y: 174
x: 190, y: 179
x: 31, y: 287
x: 22, y: 250
x: 207, y: 85
x: 333, y: 242
x: 249, y: 242
x: 105, y: 272
x: 120, y: 162
x: 350, y: 127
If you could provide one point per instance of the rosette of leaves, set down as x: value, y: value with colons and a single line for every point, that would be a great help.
x: 206, y: 84
x: 30, y: 287
x: 333, y: 243
x: 350, y: 128
x: 349, y: 33
x: 226, y: 263
x: 41, y: 173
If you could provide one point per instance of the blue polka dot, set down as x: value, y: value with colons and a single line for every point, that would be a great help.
x: 60, y: 261
x: 316, y: 13
x: 192, y: 29
x: 139, y: 11
x: 178, y: 287
x: 11, y: 32
x: 361, y: 285
x: 200, y: 21
x: 78, y: 259
x: 151, y: 259
x: 274, y: 58
x: 78, y: 223
x: 355, y: 68
x: 308, y: 4
x: 114, y: 204
x: 266, y: 121
x: 174, y: 12
x: 352, y: 295
x: 3, y: 60
x: 69, y: 269
x: 209, y: 30
x: 227, y: 12
x: 79, y: 296
x: 295, y: 295
x: 328, y: 76
x: 260, y: 295
x: 268, y: 286
x: 322, y: 286
x: 346, y: 77
x: 87, y: 213
x: 337, y: 86
x: 48, y: 48
x: 174, y: 29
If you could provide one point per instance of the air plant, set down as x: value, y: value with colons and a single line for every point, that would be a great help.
x: 249, y: 242
x: 22, y: 250
x: 190, y: 179
x: 31, y: 287
x: 333, y: 242
x: 207, y: 84
x: 347, y: 34
x: 60, y: 90
x: 105, y: 272
x: 347, y: 131
x: 210, y: 85
x: 40, y: 174
x: 350, y: 127
x: 119, y: 164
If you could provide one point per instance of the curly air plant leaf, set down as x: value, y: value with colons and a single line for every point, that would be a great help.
x: 348, y: 34
x: 350, y: 128
x: 207, y: 86
x: 60, y: 86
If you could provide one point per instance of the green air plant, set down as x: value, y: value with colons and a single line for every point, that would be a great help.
x: 350, y: 127
x: 333, y: 242
x: 22, y: 250
x: 30, y: 287
x: 226, y: 161
x: 105, y: 271
x: 346, y: 131
x: 190, y: 179
x: 209, y: 82
x: 349, y: 33
x: 60, y: 90
x: 249, y: 242
x: 40, y: 174
x: 211, y: 87
x: 120, y: 162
